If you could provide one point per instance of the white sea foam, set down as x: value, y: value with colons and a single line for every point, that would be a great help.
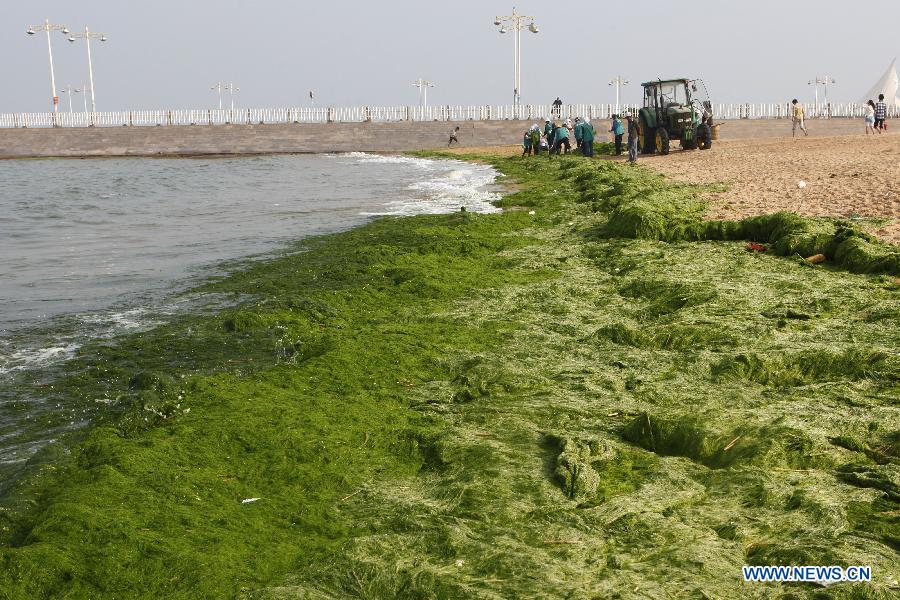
x: 450, y: 191
x: 100, y: 325
x: 448, y: 187
x: 126, y: 319
x: 19, y: 453
x: 385, y: 159
x: 27, y: 358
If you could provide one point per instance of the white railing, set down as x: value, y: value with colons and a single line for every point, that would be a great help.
x: 851, y: 110
x: 387, y: 114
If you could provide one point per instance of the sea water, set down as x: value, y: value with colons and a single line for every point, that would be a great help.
x: 92, y: 249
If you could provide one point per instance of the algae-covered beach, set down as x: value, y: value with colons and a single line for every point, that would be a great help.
x: 593, y: 394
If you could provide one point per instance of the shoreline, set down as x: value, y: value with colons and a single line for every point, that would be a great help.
x: 242, y: 140
x: 45, y: 350
x: 432, y: 385
x: 843, y: 177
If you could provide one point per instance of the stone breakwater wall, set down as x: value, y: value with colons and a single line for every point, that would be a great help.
x: 203, y: 140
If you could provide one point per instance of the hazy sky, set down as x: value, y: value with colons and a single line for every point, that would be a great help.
x: 167, y: 53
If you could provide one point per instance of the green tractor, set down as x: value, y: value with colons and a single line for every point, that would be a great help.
x: 675, y: 109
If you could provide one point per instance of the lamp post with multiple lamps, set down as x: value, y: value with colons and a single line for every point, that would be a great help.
x: 823, y: 81
x: 46, y: 26
x: 231, y: 89
x: 423, y: 86
x: 618, y: 82
x: 87, y: 36
x: 218, y: 88
x: 516, y: 25
x: 69, y: 90
x: 83, y: 92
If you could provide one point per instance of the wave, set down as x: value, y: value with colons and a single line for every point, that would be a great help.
x: 14, y: 360
x: 386, y: 159
x: 449, y: 186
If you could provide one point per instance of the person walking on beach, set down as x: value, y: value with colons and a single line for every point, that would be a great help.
x: 633, y: 135
x: 799, y: 114
x: 526, y: 144
x: 870, y: 117
x: 617, y: 130
x: 557, y: 108
x: 587, y: 138
x: 880, y: 114
x: 454, y: 136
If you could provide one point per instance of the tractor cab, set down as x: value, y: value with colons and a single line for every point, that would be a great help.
x: 675, y: 109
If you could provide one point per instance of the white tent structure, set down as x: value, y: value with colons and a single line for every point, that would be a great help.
x: 887, y: 85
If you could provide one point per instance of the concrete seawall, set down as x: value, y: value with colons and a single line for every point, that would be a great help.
x: 201, y: 140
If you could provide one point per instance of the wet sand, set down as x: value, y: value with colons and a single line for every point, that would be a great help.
x: 851, y: 176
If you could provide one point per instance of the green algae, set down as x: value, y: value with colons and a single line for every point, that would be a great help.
x: 508, y: 405
x: 805, y: 367
x: 640, y: 205
x: 294, y: 397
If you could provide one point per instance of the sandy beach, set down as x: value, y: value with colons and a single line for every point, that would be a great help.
x: 844, y: 176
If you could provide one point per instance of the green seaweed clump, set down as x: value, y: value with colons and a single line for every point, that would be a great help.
x: 644, y: 206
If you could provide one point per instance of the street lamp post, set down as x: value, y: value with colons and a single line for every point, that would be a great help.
x: 87, y: 36
x: 423, y: 86
x: 69, y: 90
x: 231, y: 90
x: 516, y: 24
x: 618, y: 82
x: 46, y: 26
x: 815, y: 82
x: 218, y: 88
x: 823, y: 81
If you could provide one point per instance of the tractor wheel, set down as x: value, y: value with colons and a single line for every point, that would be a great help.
x: 646, y: 139
x: 704, y: 137
x: 690, y: 144
x: 662, y: 141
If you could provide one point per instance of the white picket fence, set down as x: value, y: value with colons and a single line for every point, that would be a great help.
x: 387, y: 114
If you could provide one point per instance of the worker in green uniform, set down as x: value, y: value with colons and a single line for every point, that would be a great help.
x: 560, y: 139
x: 548, y: 131
x: 587, y: 138
x: 617, y: 130
x: 576, y: 131
x: 535, y: 133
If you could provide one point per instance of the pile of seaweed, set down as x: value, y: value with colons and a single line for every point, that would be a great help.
x: 641, y: 205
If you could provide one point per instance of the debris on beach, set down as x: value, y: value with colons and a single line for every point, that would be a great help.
x: 754, y: 247
x: 249, y: 500
x: 815, y: 259
x: 801, y: 184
